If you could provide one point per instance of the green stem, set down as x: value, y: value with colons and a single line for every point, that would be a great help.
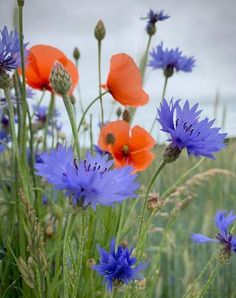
x: 71, y: 115
x: 181, y: 179
x: 91, y: 132
x: 86, y: 110
x: 142, y: 68
x: 48, y: 118
x: 143, y: 63
x: 66, y: 244
x: 21, y: 172
x: 162, y: 98
x: 99, y: 79
x: 80, y: 255
x: 209, y: 281
x: 23, y: 89
x: 155, y: 175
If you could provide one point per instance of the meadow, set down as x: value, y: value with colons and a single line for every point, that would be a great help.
x: 119, y: 214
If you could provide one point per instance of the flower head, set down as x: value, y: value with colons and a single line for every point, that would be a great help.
x: 41, y: 60
x: 154, y: 17
x: 187, y: 131
x: 223, y: 219
x: 125, y: 82
x: 126, y: 145
x: 10, y: 50
x: 90, y: 181
x: 170, y: 60
x: 118, y: 266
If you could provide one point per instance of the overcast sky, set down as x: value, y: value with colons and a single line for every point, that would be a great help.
x: 203, y: 28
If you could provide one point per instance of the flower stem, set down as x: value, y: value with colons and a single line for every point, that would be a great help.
x: 99, y: 79
x: 143, y: 63
x: 86, y: 110
x: 23, y: 89
x: 66, y: 244
x: 162, y: 97
x: 48, y: 118
x: 155, y: 175
x: 71, y: 115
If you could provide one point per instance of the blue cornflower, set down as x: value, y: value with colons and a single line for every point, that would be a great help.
x: 118, y: 266
x: 4, y: 140
x: 152, y: 18
x: 187, y: 131
x: 91, y: 181
x: 30, y: 93
x: 10, y: 50
x: 170, y: 60
x: 41, y: 112
x: 223, y: 219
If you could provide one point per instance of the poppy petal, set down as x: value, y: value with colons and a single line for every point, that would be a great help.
x: 140, y: 139
x: 125, y: 82
x: 141, y: 160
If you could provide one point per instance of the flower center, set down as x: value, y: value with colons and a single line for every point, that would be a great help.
x: 125, y: 150
x: 95, y: 167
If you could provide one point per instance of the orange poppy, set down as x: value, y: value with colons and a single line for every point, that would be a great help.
x: 127, y: 146
x: 125, y: 82
x: 39, y: 65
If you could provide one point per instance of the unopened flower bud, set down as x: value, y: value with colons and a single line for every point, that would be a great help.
x: 124, y: 243
x: 40, y: 139
x: 118, y: 112
x: 5, y: 80
x: 91, y: 262
x: 100, y: 31
x: 126, y: 116
x: 60, y: 79
x: 49, y: 230
x: 62, y: 135
x: 76, y: 54
x: 170, y: 154
x: 21, y: 3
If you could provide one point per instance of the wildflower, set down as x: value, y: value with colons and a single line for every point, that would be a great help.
x: 40, y: 63
x: 4, y: 140
x: 187, y: 131
x: 117, y: 266
x: 127, y: 146
x: 10, y: 50
x: 223, y: 219
x: 90, y: 181
x: 170, y: 60
x: 125, y: 82
x: 152, y: 18
x: 41, y: 114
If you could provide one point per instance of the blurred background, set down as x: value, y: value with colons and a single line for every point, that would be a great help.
x: 204, y: 29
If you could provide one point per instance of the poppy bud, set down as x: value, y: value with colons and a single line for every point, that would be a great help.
x: 5, y: 80
x: 126, y: 116
x: 100, y: 31
x: 62, y: 135
x: 49, y: 230
x: 76, y: 53
x: 170, y: 154
x: 60, y: 79
x: 91, y: 262
x: 118, y: 112
x: 21, y: 3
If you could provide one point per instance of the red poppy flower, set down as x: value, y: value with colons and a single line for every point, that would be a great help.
x: 39, y: 65
x: 127, y: 146
x: 125, y: 82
